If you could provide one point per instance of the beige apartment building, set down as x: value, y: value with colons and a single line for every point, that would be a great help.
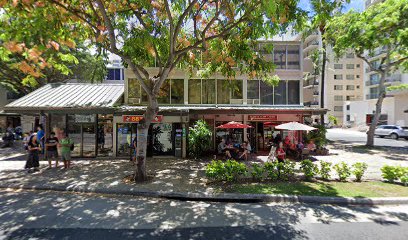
x: 343, y: 79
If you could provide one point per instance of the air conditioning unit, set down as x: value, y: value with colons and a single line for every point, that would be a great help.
x: 134, y: 100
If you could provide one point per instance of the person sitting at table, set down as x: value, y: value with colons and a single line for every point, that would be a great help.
x: 247, y: 149
x: 286, y: 142
x: 222, y: 149
x: 311, y: 146
x: 280, y: 153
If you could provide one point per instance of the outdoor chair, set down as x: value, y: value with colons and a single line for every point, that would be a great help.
x: 271, y: 156
x: 305, y: 153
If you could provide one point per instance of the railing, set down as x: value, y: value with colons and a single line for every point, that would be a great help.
x: 392, y: 78
x: 311, y: 82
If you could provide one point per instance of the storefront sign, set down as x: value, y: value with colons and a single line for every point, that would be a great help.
x: 138, y: 118
x: 84, y: 118
x: 262, y: 117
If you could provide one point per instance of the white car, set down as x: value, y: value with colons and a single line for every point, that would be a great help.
x: 393, y: 131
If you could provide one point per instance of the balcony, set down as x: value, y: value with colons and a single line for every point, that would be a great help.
x: 311, y: 104
x: 316, y: 93
x: 372, y: 82
x: 394, y: 78
x: 311, y: 83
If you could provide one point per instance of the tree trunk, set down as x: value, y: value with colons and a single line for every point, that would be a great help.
x: 142, y: 139
x: 323, y: 78
x: 377, y: 114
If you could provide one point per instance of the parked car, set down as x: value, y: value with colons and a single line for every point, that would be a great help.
x: 393, y: 131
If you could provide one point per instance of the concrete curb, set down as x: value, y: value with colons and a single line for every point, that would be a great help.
x: 222, y: 197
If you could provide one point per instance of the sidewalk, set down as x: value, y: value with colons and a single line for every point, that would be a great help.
x: 173, y: 178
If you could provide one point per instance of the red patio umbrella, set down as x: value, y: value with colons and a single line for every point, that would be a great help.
x: 234, y: 125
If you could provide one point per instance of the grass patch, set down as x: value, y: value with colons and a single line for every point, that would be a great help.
x: 329, y: 189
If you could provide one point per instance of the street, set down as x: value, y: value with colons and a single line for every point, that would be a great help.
x: 55, y: 215
x: 356, y: 137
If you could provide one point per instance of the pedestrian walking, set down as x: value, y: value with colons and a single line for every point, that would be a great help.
x: 67, y: 145
x: 33, y: 155
x: 51, y: 149
x: 40, y: 138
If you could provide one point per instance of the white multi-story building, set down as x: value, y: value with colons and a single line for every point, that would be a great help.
x: 343, y: 79
x: 360, y: 113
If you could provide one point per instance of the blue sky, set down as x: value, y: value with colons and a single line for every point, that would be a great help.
x: 357, y: 5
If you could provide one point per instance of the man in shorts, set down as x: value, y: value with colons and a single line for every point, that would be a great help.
x: 51, y: 149
x: 66, y: 144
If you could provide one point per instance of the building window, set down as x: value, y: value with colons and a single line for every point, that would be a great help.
x: 194, y: 91
x: 350, y: 77
x: 350, y: 55
x: 350, y: 66
x: 357, y: 65
x: 338, y: 76
x: 338, y: 98
x: 208, y: 94
x: 266, y: 93
x: 338, y: 87
x: 338, y: 66
x: 236, y: 89
x: 177, y: 91
x: 293, y: 92
x: 280, y: 93
x: 279, y: 56
x: 253, y: 89
x: 348, y: 107
x: 350, y: 87
x: 348, y: 98
x: 115, y: 74
x: 223, y: 91
x: 348, y: 118
x: 358, y: 86
x: 338, y: 108
x: 293, y: 57
x: 357, y: 76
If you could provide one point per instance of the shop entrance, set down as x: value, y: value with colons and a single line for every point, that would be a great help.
x: 160, y: 140
x: 84, y: 137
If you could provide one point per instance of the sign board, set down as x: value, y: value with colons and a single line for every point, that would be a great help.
x: 138, y: 118
x: 84, y: 118
x: 264, y: 117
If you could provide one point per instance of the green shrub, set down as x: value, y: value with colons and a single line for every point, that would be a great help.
x: 325, y: 168
x: 257, y: 172
x: 287, y: 170
x: 228, y: 171
x: 215, y: 170
x: 343, y: 171
x: 359, y: 169
x: 199, y: 139
x: 309, y: 169
x: 271, y: 169
x: 233, y: 170
x: 392, y: 173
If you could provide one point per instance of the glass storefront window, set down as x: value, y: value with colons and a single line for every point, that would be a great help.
x: 177, y: 91
x: 124, y: 138
x: 279, y: 56
x: 105, y: 135
x: 164, y: 93
x: 293, y: 57
x: 208, y: 91
x: 280, y: 93
x: 266, y: 93
x: 194, y: 91
x: 162, y: 139
x: 293, y: 92
x: 253, y: 89
x: 223, y: 92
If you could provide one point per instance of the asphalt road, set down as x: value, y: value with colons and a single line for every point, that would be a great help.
x: 53, y: 215
x: 356, y: 137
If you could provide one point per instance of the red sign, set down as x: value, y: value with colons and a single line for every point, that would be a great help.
x: 138, y: 118
x: 262, y: 117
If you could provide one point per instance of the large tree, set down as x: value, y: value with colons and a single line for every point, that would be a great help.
x: 380, y: 29
x: 211, y: 35
x: 30, y: 57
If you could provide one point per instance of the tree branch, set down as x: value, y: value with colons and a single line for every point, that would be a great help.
x: 180, y: 23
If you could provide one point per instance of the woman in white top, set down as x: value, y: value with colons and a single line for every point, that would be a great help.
x: 247, y: 149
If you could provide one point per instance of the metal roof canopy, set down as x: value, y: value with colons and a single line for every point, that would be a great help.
x: 69, y: 96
